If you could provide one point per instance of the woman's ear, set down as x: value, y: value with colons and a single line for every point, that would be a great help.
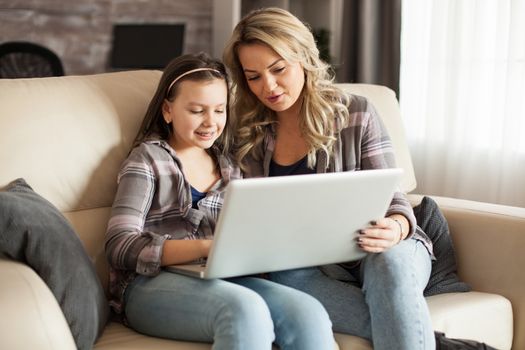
x: 166, y: 111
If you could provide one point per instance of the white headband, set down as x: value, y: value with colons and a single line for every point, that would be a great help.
x: 189, y: 72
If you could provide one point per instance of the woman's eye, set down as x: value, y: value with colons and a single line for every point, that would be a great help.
x: 196, y: 112
x: 219, y: 111
x: 255, y: 77
x: 279, y: 70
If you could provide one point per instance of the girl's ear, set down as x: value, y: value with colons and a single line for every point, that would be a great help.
x: 166, y: 111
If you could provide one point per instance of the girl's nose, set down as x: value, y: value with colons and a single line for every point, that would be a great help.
x: 208, y: 119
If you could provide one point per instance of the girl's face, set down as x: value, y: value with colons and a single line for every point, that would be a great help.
x: 276, y: 82
x: 197, y: 114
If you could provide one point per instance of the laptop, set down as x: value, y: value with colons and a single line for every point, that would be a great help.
x: 287, y: 222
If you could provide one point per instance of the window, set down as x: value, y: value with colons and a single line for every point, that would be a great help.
x: 462, y: 95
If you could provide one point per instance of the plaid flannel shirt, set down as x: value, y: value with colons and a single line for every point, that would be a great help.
x: 363, y: 143
x: 153, y: 204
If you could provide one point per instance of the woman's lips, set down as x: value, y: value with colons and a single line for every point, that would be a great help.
x: 274, y: 98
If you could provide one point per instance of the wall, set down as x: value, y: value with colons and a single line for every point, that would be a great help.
x: 79, y: 31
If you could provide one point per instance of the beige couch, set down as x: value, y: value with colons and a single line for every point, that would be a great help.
x: 67, y: 137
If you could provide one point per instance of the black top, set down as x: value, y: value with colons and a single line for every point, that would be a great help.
x: 298, y: 168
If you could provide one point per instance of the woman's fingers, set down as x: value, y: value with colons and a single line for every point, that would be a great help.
x: 378, y: 237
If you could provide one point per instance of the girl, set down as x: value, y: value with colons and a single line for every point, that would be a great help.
x: 170, y: 191
x: 291, y: 119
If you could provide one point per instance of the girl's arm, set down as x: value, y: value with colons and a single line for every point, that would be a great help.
x: 128, y: 245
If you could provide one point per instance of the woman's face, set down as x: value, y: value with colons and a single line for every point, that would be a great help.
x: 197, y: 114
x: 276, y: 82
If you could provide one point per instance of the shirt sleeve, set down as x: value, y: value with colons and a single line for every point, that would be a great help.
x: 377, y: 152
x: 128, y: 246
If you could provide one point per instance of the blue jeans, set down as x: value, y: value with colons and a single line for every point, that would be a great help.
x: 238, y: 313
x: 382, y: 300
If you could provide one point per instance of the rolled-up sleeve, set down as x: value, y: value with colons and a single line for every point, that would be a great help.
x: 128, y: 246
x: 401, y: 205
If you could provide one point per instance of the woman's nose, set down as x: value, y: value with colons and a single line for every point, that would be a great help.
x: 269, y: 82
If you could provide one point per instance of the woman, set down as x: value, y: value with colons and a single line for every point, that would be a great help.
x: 170, y: 192
x: 291, y: 119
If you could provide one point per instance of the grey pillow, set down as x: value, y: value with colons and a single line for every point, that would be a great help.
x: 443, y: 278
x: 34, y: 232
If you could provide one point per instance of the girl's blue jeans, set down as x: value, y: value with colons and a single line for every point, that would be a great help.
x: 238, y: 313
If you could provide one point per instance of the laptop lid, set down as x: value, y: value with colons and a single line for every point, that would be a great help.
x: 279, y: 223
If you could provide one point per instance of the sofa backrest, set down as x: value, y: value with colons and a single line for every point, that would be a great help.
x: 68, y: 136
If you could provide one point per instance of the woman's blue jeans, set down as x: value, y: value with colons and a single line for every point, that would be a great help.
x: 382, y: 300
x: 238, y: 313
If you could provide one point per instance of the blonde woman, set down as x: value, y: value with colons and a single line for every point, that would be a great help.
x: 291, y: 119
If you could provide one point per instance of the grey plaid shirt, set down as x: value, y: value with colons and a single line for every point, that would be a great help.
x: 361, y: 144
x: 153, y: 204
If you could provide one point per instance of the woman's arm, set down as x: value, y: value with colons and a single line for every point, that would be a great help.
x: 376, y: 152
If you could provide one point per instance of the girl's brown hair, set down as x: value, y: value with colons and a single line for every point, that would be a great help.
x: 154, y: 125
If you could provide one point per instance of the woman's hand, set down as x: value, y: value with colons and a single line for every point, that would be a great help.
x: 383, y: 234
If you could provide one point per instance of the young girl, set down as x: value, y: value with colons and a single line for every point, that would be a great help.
x: 170, y: 192
x: 291, y: 119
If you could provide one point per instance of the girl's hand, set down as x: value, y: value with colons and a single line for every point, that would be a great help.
x: 205, y: 247
x: 180, y: 251
x: 381, y: 235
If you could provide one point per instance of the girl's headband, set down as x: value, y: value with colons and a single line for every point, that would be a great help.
x: 189, y: 72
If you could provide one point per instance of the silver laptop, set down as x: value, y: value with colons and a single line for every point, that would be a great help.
x: 286, y: 222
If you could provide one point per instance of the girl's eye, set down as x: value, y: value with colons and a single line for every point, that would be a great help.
x: 196, y: 112
x: 219, y: 111
x: 279, y: 70
x: 255, y: 77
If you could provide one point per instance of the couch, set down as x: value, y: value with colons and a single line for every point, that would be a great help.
x: 67, y: 136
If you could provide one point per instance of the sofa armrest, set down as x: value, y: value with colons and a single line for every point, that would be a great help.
x: 31, y: 317
x: 489, y: 241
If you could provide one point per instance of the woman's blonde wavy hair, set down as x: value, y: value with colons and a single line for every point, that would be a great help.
x: 323, y: 102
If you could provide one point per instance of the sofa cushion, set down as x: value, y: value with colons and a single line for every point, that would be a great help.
x: 33, y: 231
x: 443, y: 278
x: 118, y: 336
x: 484, y: 317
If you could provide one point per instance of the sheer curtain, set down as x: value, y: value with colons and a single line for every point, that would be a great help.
x: 462, y: 95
